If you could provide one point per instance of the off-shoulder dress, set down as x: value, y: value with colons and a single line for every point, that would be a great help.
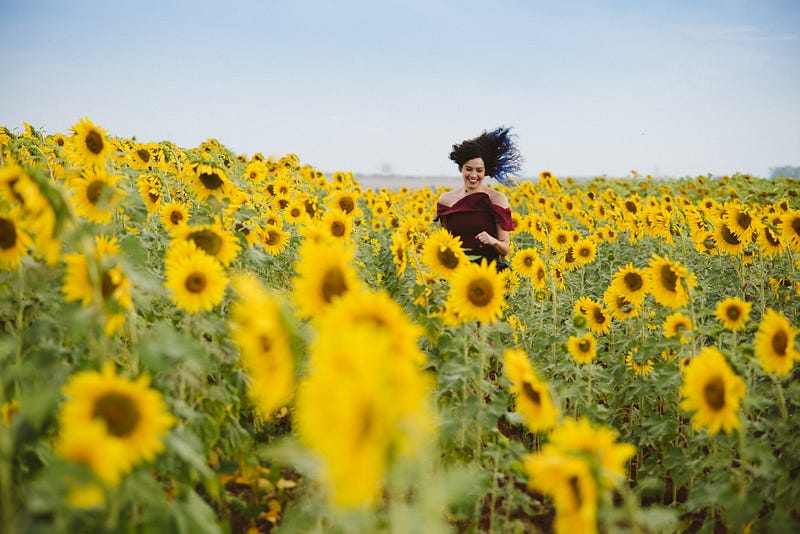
x: 471, y: 215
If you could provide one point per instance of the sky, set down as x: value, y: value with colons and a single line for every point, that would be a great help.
x: 590, y: 88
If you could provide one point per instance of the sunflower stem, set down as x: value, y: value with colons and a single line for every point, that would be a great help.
x: 781, y: 398
x: 6, y: 491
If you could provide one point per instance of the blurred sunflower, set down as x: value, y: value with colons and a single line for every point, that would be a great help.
x: 669, y: 282
x: 337, y: 224
x: 196, y: 280
x: 324, y: 273
x: 531, y: 395
x: 597, y: 316
x: 568, y: 479
x: 769, y: 240
x: 150, y: 189
x: 476, y: 292
x: 618, y: 304
x: 88, y: 144
x: 583, y: 348
x: 345, y: 200
x: 443, y: 254
x: 92, y: 446
x: 174, y: 215
x: 211, y: 239
x: 585, y: 251
x: 259, y: 331
x: 790, y: 229
x: 733, y: 313
x: 101, y: 281
x: 139, y: 157
x: 638, y: 368
x: 726, y: 240
x: 206, y: 180
x: 712, y: 391
x: 273, y: 239
x: 14, y: 242
x: 677, y: 324
x: 631, y: 283
x: 596, y: 443
x: 95, y: 194
x: 134, y: 416
x: 255, y: 172
x: 774, y: 343
x: 399, y: 255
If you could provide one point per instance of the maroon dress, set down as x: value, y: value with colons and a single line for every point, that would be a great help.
x: 471, y: 215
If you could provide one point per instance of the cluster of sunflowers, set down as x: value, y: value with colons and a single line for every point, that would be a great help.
x: 193, y: 305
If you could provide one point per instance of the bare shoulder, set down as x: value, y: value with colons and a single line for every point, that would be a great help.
x: 498, y: 198
x: 448, y: 198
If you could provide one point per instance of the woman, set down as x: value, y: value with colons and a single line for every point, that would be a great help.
x: 476, y: 213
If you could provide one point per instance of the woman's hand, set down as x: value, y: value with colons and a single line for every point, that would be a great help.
x: 487, y: 239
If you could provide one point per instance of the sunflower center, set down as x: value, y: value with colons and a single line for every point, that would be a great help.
x: 631, y: 206
x: 733, y: 313
x: 527, y: 261
x: 743, y: 220
x: 195, y: 283
x: 584, y: 252
x: 576, y: 490
x: 480, y: 292
x: 633, y: 281
x: 333, y: 284
x: 715, y: 393
x: 531, y: 393
x: 273, y: 237
x: 210, y: 180
x: 143, y: 154
x: 779, y: 343
x: 598, y: 315
x: 208, y: 241
x: 584, y: 345
x: 337, y: 229
x: 669, y: 280
x: 795, y: 226
x: 94, y: 142
x: 175, y: 217
x: 447, y: 258
x: 107, y: 285
x: 119, y: 412
x: 728, y: 236
x: 569, y: 257
x: 771, y: 238
x: 8, y: 234
x: 94, y: 191
x: 540, y: 274
x: 346, y: 204
x: 266, y: 342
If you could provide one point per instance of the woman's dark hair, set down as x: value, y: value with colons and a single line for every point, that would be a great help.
x: 498, y: 151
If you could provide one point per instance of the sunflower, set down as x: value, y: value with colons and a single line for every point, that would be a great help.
x: 774, y: 343
x: 91, y: 446
x: 150, y: 189
x: 101, y: 282
x: 208, y: 180
x: 638, y: 368
x: 712, y: 391
x: 568, y: 479
x: 211, y: 239
x: 769, y: 240
x: 443, y: 254
x: 733, y: 313
x: 88, y: 144
x: 669, y: 282
x: 95, y: 194
x: 726, y: 240
x: 790, y: 229
x: 476, y: 292
x: 739, y: 220
x: 531, y: 395
x: 14, y: 242
x: 583, y: 348
x: 345, y: 200
x: 273, y: 239
x: 259, y: 331
x: 8, y: 411
x: 585, y: 251
x: 677, y: 324
x: 598, y: 317
x: 337, y: 224
x: 255, y: 172
x: 134, y: 417
x: 196, y: 280
x: 619, y: 306
x: 399, y: 254
x: 631, y: 283
x: 324, y: 273
x: 596, y: 443
x: 560, y: 238
x: 174, y: 215
x: 139, y: 157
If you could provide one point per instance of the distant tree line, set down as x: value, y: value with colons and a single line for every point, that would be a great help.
x: 786, y: 171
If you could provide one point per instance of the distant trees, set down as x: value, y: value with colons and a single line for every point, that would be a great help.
x: 787, y: 171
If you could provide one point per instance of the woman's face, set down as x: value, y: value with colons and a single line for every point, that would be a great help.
x: 473, y: 172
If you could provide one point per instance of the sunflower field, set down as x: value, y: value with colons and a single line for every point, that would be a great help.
x: 193, y: 340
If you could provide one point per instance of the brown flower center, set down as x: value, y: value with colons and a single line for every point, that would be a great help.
x: 447, y: 258
x: 480, y: 292
x: 780, y: 340
x: 195, y: 283
x: 715, y: 393
x: 119, y: 413
x: 8, y: 234
x: 669, y: 280
x: 633, y: 281
x: 94, y: 142
x: 206, y: 240
x: 210, y: 180
x: 531, y: 393
x: 333, y: 284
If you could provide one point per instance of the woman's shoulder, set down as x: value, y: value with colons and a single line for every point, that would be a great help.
x: 497, y: 198
x: 448, y: 198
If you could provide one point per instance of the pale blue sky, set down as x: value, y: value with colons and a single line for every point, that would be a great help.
x: 673, y: 88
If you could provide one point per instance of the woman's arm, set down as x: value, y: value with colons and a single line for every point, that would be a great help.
x: 501, y: 243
